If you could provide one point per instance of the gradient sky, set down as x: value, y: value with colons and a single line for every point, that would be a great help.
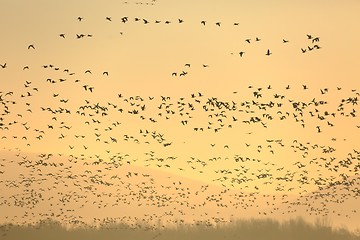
x: 140, y: 59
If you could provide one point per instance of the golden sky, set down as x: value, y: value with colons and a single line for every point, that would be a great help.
x: 167, y: 77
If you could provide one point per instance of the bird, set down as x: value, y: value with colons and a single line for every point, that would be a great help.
x: 124, y: 19
x: 3, y: 65
x: 78, y: 36
x: 31, y: 46
x: 268, y: 53
x: 316, y: 39
x: 318, y: 129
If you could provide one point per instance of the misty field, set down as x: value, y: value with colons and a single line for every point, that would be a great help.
x: 240, y: 229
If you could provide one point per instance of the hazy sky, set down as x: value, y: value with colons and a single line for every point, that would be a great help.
x: 146, y: 61
x: 141, y: 58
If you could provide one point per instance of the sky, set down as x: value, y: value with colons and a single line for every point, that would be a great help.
x: 173, y: 85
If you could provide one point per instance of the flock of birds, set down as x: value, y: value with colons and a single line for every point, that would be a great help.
x: 313, y: 40
x: 59, y: 185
